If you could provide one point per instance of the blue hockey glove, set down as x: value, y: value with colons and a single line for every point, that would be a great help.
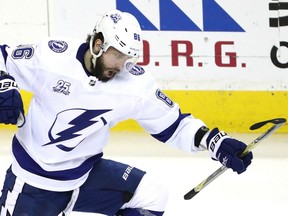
x: 11, y: 105
x: 227, y: 150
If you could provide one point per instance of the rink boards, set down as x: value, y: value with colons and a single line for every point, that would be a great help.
x: 231, y: 111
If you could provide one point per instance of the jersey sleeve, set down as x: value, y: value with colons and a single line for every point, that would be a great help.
x: 22, y: 62
x: 163, y: 119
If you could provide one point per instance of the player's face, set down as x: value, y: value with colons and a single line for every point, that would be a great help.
x: 109, y: 64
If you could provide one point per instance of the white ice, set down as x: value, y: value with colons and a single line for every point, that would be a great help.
x: 262, y: 190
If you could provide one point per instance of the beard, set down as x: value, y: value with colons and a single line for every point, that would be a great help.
x: 98, y: 70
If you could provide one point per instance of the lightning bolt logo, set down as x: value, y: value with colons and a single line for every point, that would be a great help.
x: 83, y: 120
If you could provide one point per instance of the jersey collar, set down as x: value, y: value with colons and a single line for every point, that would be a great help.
x: 80, y: 56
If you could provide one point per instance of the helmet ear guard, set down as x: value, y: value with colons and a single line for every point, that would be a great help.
x: 120, y: 30
x: 94, y: 56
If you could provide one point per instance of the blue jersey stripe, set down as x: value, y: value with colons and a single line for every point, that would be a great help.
x: 27, y: 163
x: 4, y: 53
x: 168, y: 132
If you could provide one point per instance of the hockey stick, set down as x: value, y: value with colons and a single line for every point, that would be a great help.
x: 277, y: 123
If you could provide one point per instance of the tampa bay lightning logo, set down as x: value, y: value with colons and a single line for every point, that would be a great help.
x: 134, y: 69
x: 58, y: 46
x: 115, y: 17
x: 67, y: 136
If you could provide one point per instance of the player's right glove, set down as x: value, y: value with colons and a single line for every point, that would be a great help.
x: 11, y: 104
x: 227, y: 150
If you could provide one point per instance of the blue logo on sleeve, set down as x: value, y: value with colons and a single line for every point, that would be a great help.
x: 58, y: 46
x: 161, y: 96
x: 134, y: 69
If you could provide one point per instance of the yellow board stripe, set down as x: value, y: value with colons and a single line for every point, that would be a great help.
x: 231, y: 111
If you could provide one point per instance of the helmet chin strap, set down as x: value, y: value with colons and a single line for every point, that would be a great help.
x: 94, y: 56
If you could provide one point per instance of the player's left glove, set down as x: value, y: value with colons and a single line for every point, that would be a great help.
x: 227, y: 150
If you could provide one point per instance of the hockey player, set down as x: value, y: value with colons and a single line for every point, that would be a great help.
x: 80, y: 90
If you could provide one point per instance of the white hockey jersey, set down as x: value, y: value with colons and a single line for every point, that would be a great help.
x: 67, y: 124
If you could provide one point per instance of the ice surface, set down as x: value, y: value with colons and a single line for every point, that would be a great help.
x: 261, y: 190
